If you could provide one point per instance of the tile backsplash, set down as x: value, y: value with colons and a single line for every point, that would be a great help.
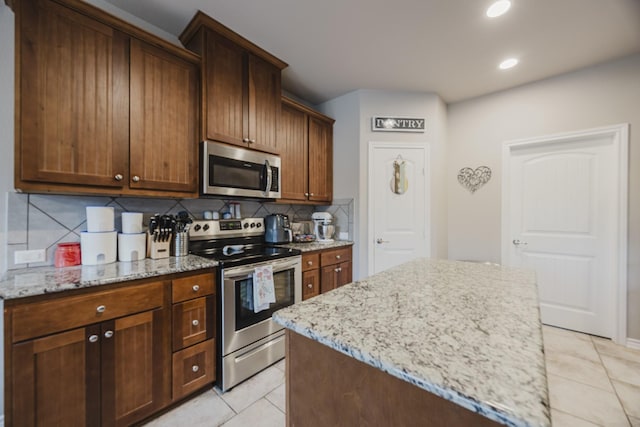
x: 42, y: 221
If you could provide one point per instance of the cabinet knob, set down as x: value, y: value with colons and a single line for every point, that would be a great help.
x: 195, y: 322
x: 338, y: 257
x: 306, y: 194
x: 311, y: 194
x: 118, y: 177
x: 310, y: 285
x: 245, y: 140
x: 337, y: 270
x: 195, y: 368
x: 135, y: 178
x: 195, y: 288
x: 93, y: 338
x: 108, y: 334
x: 309, y: 262
x: 100, y: 309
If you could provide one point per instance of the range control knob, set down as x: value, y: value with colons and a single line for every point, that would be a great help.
x: 259, y: 225
x: 206, y: 227
x: 253, y: 225
x: 246, y: 225
x: 197, y: 227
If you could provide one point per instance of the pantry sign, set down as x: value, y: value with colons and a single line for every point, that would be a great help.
x: 397, y: 124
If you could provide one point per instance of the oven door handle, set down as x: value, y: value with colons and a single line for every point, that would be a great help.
x: 244, y: 270
x: 269, y: 175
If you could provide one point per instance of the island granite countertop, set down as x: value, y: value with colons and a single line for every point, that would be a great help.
x: 469, y: 333
x: 28, y: 282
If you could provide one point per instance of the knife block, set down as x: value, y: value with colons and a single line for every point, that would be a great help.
x: 157, y: 249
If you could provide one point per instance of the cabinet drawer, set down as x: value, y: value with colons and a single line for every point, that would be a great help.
x: 335, y: 256
x: 310, y: 284
x: 193, y: 322
x: 42, y: 318
x: 310, y: 261
x: 192, y: 287
x: 193, y: 368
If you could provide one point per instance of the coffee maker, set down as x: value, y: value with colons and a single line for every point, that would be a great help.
x: 277, y: 229
x: 322, y: 226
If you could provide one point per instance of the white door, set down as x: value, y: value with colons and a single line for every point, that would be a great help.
x: 398, y: 216
x: 563, y: 200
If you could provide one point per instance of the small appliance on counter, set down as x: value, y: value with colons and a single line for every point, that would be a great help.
x: 323, y: 226
x: 277, y: 229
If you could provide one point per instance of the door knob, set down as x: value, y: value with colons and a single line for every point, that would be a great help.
x: 380, y: 241
x: 519, y: 242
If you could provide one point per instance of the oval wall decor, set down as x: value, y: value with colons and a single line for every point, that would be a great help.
x: 472, y: 179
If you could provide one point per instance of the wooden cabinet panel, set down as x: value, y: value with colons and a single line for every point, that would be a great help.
x: 193, y: 368
x: 164, y: 125
x: 224, y: 73
x: 54, y: 380
x: 190, y: 287
x: 334, y: 276
x: 41, y: 318
x: 320, y: 160
x: 310, y: 261
x: 135, y: 367
x: 294, y: 153
x: 74, y: 98
x: 264, y: 95
x: 192, y: 322
x: 310, y: 283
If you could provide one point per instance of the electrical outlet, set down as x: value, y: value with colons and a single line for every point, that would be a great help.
x: 26, y: 257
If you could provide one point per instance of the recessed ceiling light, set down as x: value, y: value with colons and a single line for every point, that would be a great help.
x: 508, y: 63
x: 498, y: 8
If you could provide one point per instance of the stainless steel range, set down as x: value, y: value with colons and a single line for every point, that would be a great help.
x: 247, y: 339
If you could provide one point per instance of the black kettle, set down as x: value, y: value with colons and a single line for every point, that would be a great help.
x: 277, y: 229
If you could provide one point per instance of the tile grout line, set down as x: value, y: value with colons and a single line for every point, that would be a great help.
x: 578, y: 417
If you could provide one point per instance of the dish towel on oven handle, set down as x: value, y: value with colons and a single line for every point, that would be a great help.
x: 263, y: 290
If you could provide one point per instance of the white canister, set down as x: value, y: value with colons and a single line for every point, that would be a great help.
x: 100, y: 219
x: 131, y: 222
x: 98, y: 248
x: 132, y: 247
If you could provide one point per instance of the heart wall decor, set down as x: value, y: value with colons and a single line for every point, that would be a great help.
x: 472, y: 179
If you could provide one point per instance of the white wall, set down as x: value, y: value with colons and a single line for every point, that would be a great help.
x: 352, y: 135
x: 597, y: 96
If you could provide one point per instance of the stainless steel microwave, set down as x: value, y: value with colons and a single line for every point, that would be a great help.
x: 235, y: 171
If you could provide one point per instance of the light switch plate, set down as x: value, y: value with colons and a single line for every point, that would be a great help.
x: 26, y: 257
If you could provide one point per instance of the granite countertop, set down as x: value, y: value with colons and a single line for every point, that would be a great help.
x: 469, y: 333
x: 315, y: 246
x: 43, y: 280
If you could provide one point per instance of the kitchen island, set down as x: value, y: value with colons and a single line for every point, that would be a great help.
x: 430, y: 342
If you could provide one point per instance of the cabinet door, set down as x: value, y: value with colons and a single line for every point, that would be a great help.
x: 164, y: 120
x: 193, y: 322
x: 294, y: 153
x: 135, y: 363
x: 56, y: 380
x: 344, y: 274
x: 264, y: 99
x: 73, y: 99
x: 310, y: 284
x: 320, y: 160
x: 224, y: 65
x: 328, y: 278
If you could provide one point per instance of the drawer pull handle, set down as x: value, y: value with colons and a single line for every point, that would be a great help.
x: 100, y: 309
x: 310, y: 285
x: 195, y: 368
x: 93, y: 338
x: 108, y: 334
x: 195, y: 322
x: 118, y: 177
x: 338, y: 257
x: 309, y: 262
x: 338, y: 270
x: 195, y: 288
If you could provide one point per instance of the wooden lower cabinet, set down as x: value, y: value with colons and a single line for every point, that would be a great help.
x: 111, y: 374
x: 193, y: 368
x: 325, y: 270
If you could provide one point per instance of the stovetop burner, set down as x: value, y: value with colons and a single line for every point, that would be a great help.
x: 234, y: 242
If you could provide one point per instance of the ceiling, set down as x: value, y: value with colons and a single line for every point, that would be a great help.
x: 444, y: 46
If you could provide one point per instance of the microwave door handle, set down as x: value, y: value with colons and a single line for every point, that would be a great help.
x: 269, y: 177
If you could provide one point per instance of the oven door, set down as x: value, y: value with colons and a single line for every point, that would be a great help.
x: 241, y: 326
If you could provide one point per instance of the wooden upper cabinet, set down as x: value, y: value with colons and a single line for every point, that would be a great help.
x: 73, y: 101
x: 305, y: 142
x: 164, y: 120
x: 320, y: 160
x: 241, y: 86
x: 294, y: 153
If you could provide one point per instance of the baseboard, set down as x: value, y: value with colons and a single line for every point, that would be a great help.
x: 633, y: 343
x: 1, y: 420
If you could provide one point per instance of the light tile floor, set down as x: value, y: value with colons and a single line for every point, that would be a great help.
x: 592, y: 382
